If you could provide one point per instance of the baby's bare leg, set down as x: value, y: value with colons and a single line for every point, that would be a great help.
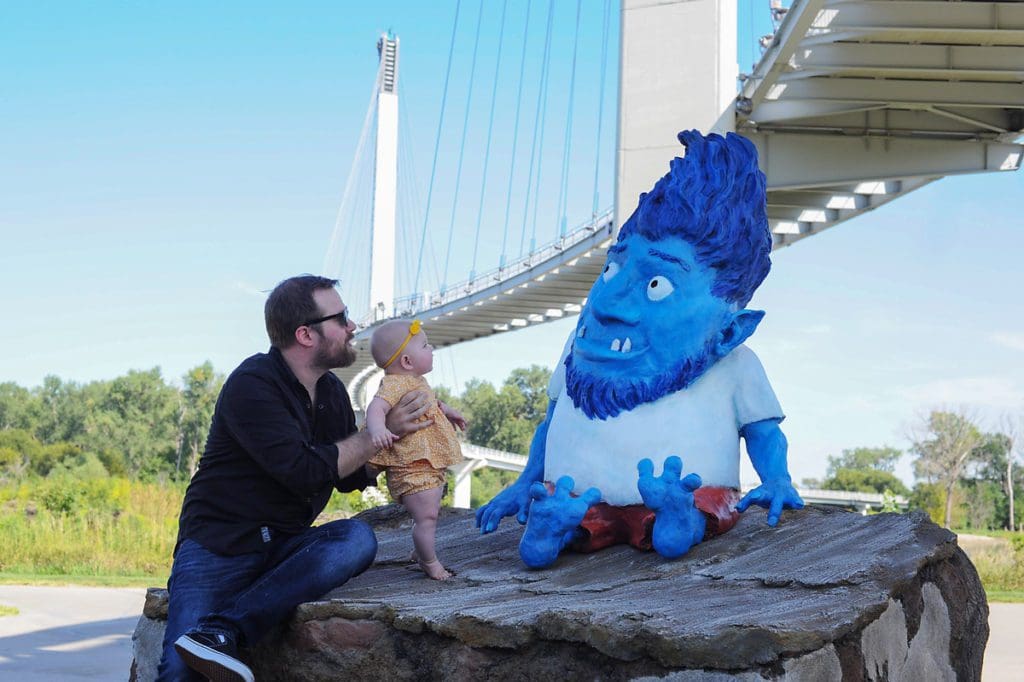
x: 423, y: 506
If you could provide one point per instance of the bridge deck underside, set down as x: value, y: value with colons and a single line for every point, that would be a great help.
x: 856, y: 103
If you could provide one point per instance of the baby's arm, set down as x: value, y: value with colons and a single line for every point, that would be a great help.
x: 376, y: 411
x: 454, y: 416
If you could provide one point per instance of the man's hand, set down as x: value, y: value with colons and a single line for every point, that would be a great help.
x: 774, y: 495
x: 404, y: 418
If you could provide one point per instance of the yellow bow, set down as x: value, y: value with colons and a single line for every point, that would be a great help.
x: 414, y: 329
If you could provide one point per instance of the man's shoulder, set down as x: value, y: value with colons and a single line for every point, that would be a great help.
x: 259, y: 364
x: 260, y: 369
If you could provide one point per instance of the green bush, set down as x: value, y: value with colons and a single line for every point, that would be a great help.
x: 60, y: 496
x: 101, y: 527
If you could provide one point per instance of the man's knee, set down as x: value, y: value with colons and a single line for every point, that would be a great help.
x: 355, y: 540
x: 364, y: 541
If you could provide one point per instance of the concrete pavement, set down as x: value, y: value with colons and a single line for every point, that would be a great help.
x: 1004, y: 655
x: 68, y: 633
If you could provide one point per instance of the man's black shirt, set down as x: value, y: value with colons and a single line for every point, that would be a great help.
x: 270, y: 462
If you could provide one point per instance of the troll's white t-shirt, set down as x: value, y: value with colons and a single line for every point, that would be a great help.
x: 700, y: 424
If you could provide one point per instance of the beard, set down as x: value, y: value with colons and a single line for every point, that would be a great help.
x: 335, y: 357
x: 600, y: 397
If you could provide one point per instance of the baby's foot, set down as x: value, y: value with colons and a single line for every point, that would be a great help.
x: 434, y: 569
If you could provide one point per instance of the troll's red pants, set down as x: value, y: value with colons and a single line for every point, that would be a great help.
x: 605, y: 525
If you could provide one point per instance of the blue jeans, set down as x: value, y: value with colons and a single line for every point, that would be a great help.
x: 247, y: 595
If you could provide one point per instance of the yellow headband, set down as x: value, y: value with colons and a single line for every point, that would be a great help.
x: 414, y: 329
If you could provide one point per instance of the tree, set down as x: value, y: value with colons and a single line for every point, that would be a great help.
x: 63, y: 409
x: 947, y: 442
x: 502, y: 419
x: 1012, y: 429
x: 994, y: 476
x: 881, y: 459
x: 506, y: 419
x: 199, y: 396
x: 15, y: 407
x: 866, y: 481
x: 137, y: 415
x: 931, y: 498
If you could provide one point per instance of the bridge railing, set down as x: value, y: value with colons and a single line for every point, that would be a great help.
x: 415, y: 303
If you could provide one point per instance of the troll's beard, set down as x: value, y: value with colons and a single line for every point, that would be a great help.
x: 600, y: 397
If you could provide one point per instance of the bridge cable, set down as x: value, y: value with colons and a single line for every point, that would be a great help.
x: 333, y: 246
x: 462, y: 146
x: 600, y: 100
x: 537, y: 117
x: 567, y: 149
x: 406, y: 199
x: 410, y: 196
x: 487, y: 149
x: 353, y: 259
x: 437, y: 147
x: 515, y: 138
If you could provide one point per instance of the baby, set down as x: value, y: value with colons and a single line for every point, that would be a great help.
x: 415, y: 464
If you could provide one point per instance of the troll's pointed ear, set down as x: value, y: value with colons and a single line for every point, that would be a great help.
x: 738, y: 329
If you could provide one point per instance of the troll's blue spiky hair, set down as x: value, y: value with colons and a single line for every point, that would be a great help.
x: 714, y: 198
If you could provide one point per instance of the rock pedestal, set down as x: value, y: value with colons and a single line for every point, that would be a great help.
x: 826, y: 595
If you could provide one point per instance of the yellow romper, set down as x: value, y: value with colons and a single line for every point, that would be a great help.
x: 417, y: 462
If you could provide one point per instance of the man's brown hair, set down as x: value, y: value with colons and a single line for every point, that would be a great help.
x: 290, y: 304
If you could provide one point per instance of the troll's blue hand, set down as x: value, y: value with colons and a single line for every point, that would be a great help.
x: 553, y: 521
x: 514, y: 499
x: 774, y: 495
x: 678, y: 524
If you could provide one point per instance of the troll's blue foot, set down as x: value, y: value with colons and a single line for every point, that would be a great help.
x: 553, y: 521
x: 678, y: 524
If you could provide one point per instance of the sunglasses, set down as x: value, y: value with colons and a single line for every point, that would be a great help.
x: 341, y: 317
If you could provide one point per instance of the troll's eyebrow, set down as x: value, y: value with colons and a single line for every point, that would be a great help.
x: 670, y: 258
x: 616, y: 248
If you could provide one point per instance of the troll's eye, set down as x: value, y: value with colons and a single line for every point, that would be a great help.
x: 658, y: 288
x: 610, y: 270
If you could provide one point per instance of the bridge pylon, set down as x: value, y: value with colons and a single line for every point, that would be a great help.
x: 385, y: 182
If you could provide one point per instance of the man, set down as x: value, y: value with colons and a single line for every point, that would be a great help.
x: 282, y: 438
x: 655, y: 369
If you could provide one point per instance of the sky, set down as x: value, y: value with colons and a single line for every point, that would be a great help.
x: 163, y: 166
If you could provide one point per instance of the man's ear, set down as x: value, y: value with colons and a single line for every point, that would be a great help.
x: 739, y: 328
x: 304, y: 336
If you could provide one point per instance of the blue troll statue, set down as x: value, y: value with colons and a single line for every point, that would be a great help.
x: 656, y: 368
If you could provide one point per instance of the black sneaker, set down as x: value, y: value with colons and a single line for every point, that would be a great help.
x: 214, y: 655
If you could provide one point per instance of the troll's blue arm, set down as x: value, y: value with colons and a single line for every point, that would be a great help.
x: 767, y: 447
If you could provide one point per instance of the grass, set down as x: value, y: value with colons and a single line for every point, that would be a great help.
x: 1000, y: 565
x: 1005, y: 596
x: 13, y: 578
x: 6, y: 610
x: 108, y: 531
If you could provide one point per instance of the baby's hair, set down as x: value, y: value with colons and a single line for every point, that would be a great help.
x: 386, y: 339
